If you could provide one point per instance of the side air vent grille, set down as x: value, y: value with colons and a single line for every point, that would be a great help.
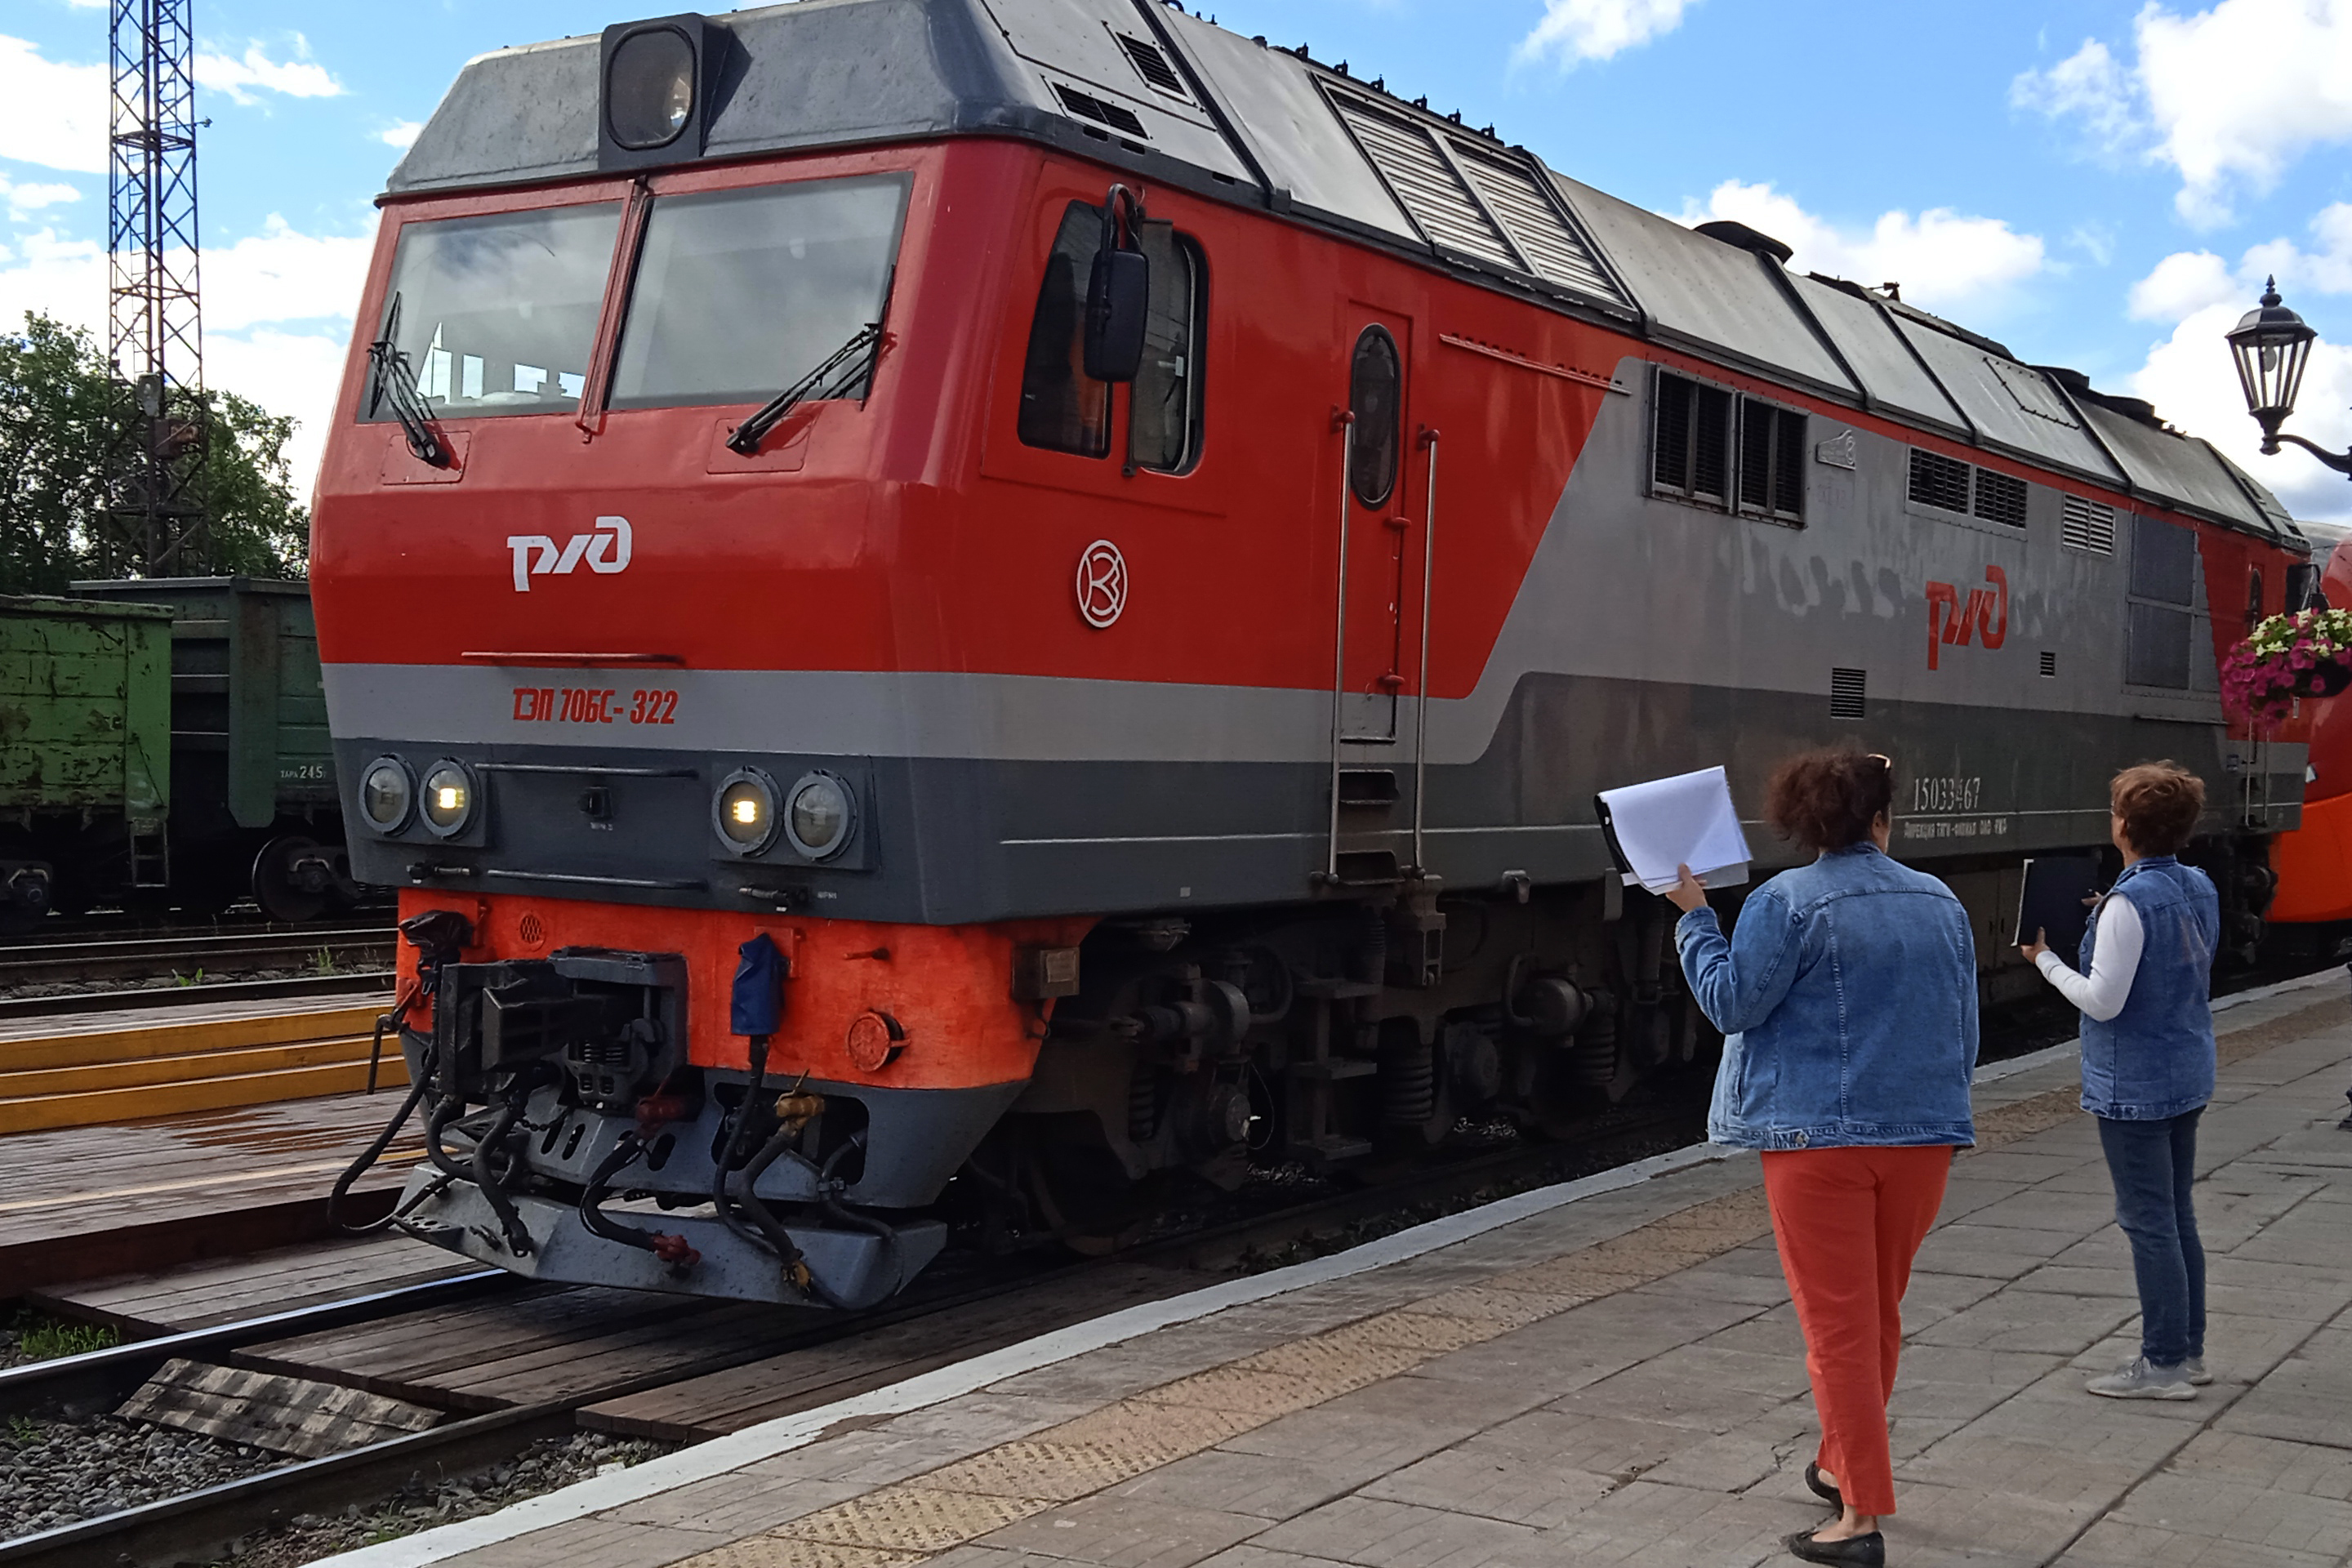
x: 1085, y: 106
x: 2000, y: 498
x: 2048, y: 665
x: 1152, y: 66
x: 1938, y: 481
x: 1849, y: 694
x: 2088, y: 525
x: 1424, y: 183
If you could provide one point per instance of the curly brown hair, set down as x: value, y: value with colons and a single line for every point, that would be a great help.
x: 1828, y: 799
x: 2159, y: 803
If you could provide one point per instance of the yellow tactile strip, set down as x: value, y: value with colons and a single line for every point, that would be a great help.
x: 899, y: 1525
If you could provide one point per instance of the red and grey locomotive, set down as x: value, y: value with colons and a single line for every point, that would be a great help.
x: 996, y: 596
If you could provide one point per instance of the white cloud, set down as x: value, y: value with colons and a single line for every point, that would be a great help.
x: 1943, y: 259
x: 400, y: 133
x: 62, y: 277
x: 50, y: 113
x: 21, y: 200
x: 243, y: 78
x: 286, y: 372
x: 280, y: 275
x: 2230, y: 96
x: 1574, y: 30
x: 2182, y: 285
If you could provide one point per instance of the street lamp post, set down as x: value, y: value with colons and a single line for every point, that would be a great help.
x: 2271, y: 346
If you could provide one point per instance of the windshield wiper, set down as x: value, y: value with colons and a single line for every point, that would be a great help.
x: 841, y: 369
x: 389, y: 373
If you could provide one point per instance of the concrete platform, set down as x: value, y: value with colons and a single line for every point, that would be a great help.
x: 1607, y: 1371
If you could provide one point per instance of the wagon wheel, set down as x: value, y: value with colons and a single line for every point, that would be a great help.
x: 274, y: 886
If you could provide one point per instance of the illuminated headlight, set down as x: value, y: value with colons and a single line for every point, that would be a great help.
x: 649, y: 88
x: 387, y: 794
x: 448, y: 804
x: 819, y: 817
x: 744, y: 811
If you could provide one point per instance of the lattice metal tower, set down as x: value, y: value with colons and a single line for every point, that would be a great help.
x: 156, y: 341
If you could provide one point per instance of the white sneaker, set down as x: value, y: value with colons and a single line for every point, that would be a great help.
x: 2194, y: 1370
x: 2143, y: 1379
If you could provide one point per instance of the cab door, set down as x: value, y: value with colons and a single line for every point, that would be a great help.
x: 1376, y: 523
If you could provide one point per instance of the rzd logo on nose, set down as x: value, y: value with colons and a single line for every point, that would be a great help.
x: 536, y: 555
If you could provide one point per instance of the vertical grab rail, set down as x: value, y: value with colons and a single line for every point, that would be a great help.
x: 1421, y: 705
x: 1345, y: 419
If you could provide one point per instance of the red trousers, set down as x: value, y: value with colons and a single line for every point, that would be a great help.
x: 1849, y: 1221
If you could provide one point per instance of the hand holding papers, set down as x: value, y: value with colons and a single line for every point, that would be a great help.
x: 1686, y: 820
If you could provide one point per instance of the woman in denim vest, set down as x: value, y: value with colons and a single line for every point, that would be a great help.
x: 2147, y: 1063
x: 1847, y: 995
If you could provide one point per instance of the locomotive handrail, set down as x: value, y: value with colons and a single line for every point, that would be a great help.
x: 1421, y: 702
x: 1345, y: 419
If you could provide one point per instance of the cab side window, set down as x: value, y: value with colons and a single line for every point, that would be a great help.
x: 1065, y: 410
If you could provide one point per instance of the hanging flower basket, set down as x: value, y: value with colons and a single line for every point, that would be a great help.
x: 2308, y: 654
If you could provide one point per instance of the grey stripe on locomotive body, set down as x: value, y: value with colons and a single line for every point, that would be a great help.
x: 1649, y: 636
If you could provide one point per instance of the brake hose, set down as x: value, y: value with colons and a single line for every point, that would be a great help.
x: 673, y: 1250
x: 374, y: 1151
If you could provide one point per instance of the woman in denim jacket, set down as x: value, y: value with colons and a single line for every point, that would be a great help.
x: 1847, y: 994
x: 2147, y: 1063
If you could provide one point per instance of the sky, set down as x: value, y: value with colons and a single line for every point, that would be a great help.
x: 2096, y: 182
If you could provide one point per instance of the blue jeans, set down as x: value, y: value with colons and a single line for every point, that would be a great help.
x: 2152, y: 1164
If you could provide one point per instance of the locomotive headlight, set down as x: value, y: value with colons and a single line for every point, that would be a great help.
x: 744, y: 811
x: 649, y: 88
x: 820, y: 816
x: 386, y: 794
x: 448, y: 798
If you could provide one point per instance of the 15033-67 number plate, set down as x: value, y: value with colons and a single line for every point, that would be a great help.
x: 595, y: 705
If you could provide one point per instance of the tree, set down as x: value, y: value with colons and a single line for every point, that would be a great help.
x: 58, y: 424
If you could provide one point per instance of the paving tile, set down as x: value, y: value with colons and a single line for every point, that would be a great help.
x: 1437, y: 1404
x: 1776, y: 1444
x: 2239, y: 1512
x: 2112, y: 1543
x: 2042, y: 1208
x: 588, y: 1543
x: 2001, y: 1252
x: 1650, y: 1523
x: 1348, y: 1442
x: 2305, y: 1400
x: 782, y: 1551
x: 1493, y: 1485
x: 1944, y: 1524
x: 1661, y: 1395
x: 2306, y: 1469
x: 2267, y: 1288
x: 1774, y: 1333
x: 733, y: 1504
x: 1382, y: 1535
x: 1932, y: 1297
x: 1965, y: 1194
x: 2031, y: 1321
x: 1271, y: 1486
x: 1618, y: 1445
x: 873, y: 1458
x: 2073, y: 1280
x: 1129, y: 1532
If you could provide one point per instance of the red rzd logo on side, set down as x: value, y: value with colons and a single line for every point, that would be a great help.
x: 1985, y: 615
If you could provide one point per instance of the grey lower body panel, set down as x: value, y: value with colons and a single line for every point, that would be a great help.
x: 944, y: 840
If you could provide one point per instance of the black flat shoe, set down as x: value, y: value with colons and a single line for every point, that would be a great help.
x: 1863, y: 1550
x: 1821, y: 1488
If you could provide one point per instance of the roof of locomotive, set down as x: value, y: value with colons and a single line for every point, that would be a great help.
x: 1135, y: 84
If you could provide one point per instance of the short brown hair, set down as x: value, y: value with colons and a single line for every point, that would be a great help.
x: 1829, y: 798
x: 2159, y: 803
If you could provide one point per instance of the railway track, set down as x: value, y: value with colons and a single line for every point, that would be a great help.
x: 956, y: 1314
x: 168, y: 955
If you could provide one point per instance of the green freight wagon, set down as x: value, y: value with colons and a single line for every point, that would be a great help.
x: 255, y: 808
x: 85, y: 751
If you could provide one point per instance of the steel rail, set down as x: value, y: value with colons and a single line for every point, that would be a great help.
x: 359, y: 984
x: 132, y: 957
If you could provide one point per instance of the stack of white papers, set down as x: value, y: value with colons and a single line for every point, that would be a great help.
x: 1666, y: 824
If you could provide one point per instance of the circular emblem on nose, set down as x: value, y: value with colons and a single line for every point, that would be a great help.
x: 874, y: 1039
x: 1102, y: 583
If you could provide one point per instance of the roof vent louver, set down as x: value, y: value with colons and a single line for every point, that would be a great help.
x: 1849, y: 694
x: 1152, y: 66
x: 1515, y: 193
x: 1085, y: 106
x: 1424, y: 183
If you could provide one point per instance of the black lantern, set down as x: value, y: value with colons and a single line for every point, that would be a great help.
x: 2271, y: 346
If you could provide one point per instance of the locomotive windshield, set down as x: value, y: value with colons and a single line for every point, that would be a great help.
x: 741, y: 293
x: 497, y: 314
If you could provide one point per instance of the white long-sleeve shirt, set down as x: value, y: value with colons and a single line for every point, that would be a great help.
x: 2114, y: 958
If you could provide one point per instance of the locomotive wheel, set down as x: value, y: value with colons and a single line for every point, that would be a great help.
x: 281, y: 898
x: 1086, y: 1198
